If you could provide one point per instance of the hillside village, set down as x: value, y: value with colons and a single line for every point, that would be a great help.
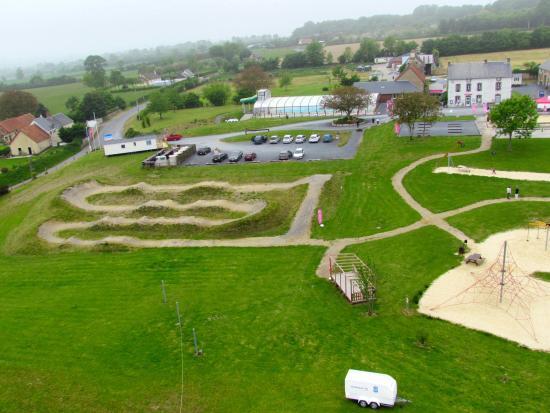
x: 354, y: 214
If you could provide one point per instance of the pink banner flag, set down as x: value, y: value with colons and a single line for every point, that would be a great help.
x: 320, y: 217
x: 474, y: 107
x: 397, y: 128
x: 485, y: 108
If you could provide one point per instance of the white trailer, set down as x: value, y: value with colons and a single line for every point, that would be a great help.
x: 371, y: 389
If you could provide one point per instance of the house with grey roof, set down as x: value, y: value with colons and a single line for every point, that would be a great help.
x: 479, y: 83
x: 52, y: 124
x: 544, y: 74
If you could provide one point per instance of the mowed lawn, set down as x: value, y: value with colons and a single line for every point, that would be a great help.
x: 54, y: 97
x: 517, y: 57
x: 87, y: 331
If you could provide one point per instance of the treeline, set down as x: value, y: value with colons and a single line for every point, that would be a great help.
x: 487, y: 42
x: 524, y: 14
x: 37, y: 81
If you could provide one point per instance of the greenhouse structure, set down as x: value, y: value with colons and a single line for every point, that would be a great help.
x: 299, y: 106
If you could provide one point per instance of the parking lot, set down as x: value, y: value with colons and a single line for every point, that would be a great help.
x: 268, y: 152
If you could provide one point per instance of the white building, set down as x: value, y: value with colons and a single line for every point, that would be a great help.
x: 479, y: 83
x: 132, y: 145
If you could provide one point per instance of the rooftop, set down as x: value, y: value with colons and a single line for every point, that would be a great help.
x: 130, y: 140
x: 479, y: 70
x: 17, y: 123
x: 394, y: 87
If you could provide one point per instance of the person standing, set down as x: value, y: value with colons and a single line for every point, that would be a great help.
x: 517, y: 193
x: 508, y: 192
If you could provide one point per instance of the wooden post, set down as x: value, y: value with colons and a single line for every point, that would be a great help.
x: 163, y: 291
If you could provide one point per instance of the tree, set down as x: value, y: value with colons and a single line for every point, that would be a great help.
x: 19, y: 74
x: 116, y: 78
x: 346, y: 57
x: 159, y: 103
x: 515, y: 115
x: 315, y: 54
x: 329, y: 58
x: 191, y: 100
x: 389, y: 44
x: 414, y: 107
x: 285, y: 80
x: 16, y: 102
x: 95, y: 71
x: 217, y: 93
x: 368, y: 50
x: 36, y: 79
x: 347, y: 99
x: 75, y: 132
x: 532, y: 68
x: 252, y: 79
x: 294, y: 60
x: 72, y: 103
x: 93, y: 103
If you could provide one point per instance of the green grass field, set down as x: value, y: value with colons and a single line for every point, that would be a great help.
x: 19, y: 169
x: 54, y: 97
x: 86, y: 329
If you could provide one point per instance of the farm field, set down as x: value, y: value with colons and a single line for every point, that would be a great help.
x: 98, y: 337
x: 518, y: 57
x: 54, y: 97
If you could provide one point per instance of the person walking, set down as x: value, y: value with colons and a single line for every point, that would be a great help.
x: 508, y: 192
x: 517, y: 193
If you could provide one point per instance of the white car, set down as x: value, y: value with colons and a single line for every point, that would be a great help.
x: 288, y: 139
x: 232, y: 120
x: 300, y: 139
x: 274, y: 139
x: 314, y: 138
x: 298, y: 153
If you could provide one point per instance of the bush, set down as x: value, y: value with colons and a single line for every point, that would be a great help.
x: 4, y: 150
x: 217, y: 93
x: 325, y: 89
x: 131, y: 133
x: 4, y: 170
x: 4, y: 189
x: 77, y: 131
x: 191, y: 100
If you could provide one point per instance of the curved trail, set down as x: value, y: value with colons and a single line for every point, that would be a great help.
x: 299, y: 232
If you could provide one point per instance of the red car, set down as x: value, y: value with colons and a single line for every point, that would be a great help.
x: 250, y: 156
x: 173, y: 137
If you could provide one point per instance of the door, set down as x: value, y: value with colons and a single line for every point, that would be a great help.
x: 468, y: 101
x: 30, y: 150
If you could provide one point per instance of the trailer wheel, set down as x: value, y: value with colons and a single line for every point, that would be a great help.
x: 363, y: 403
x: 374, y: 405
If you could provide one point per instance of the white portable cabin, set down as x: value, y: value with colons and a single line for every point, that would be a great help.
x: 370, y: 389
x: 132, y: 145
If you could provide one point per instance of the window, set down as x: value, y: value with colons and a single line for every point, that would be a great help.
x: 479, y: 87
x: 123, y: 146
x: 457, y: 87
x: 468, y: 100
x: 499, y: 85
x: 498, y: 98
x: 148, y: 142
x: 135, y: 144
x: 457, y: 100
x: 468, y: 87
x: 478, y: 99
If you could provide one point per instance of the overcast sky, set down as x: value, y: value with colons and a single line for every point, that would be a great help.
x: 50, y: 30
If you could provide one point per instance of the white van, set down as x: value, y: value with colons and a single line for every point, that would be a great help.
x: 371, y: 389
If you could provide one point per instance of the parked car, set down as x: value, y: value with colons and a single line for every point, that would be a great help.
x: 235, y: 156
x: 232, y: 120
x: 204, y: 150
x: 314, y: 138
x: 250, y: 156
x: 327, y: 138
x: 173, y: 137
x: 300, y: 139
x: 285, y: 155
x: 274, y: 139
x: 288, y: 139
x: 259, y: 139
x: 298, y: 153
x: 219, y: 157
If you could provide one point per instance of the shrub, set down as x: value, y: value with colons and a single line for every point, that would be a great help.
x: 131, y: 133
x: 4, y: 150
x: 4, y: 170
x: 217, y: 93
x: 4, y: 189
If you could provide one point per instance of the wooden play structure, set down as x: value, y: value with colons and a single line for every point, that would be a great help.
x: 354, y: 278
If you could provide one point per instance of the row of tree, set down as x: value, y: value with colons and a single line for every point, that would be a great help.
x: 487, y: 42
x: 97, y: 103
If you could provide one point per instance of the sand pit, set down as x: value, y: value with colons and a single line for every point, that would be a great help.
x: 516, y: 175
x: 523, y: 315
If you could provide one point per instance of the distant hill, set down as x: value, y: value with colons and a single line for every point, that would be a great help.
x: 431, y: 20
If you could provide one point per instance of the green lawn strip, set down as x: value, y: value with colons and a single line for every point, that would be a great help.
x: 19, y: 168
x: 207, y: 212
x: 274, y: 219
x: 343, y: 136
x: 451, y: 118
x: 483, y: 222
x: 543, y: 276
x: 443, y: 192
x: 98, y: 338
x: 360, y: 200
